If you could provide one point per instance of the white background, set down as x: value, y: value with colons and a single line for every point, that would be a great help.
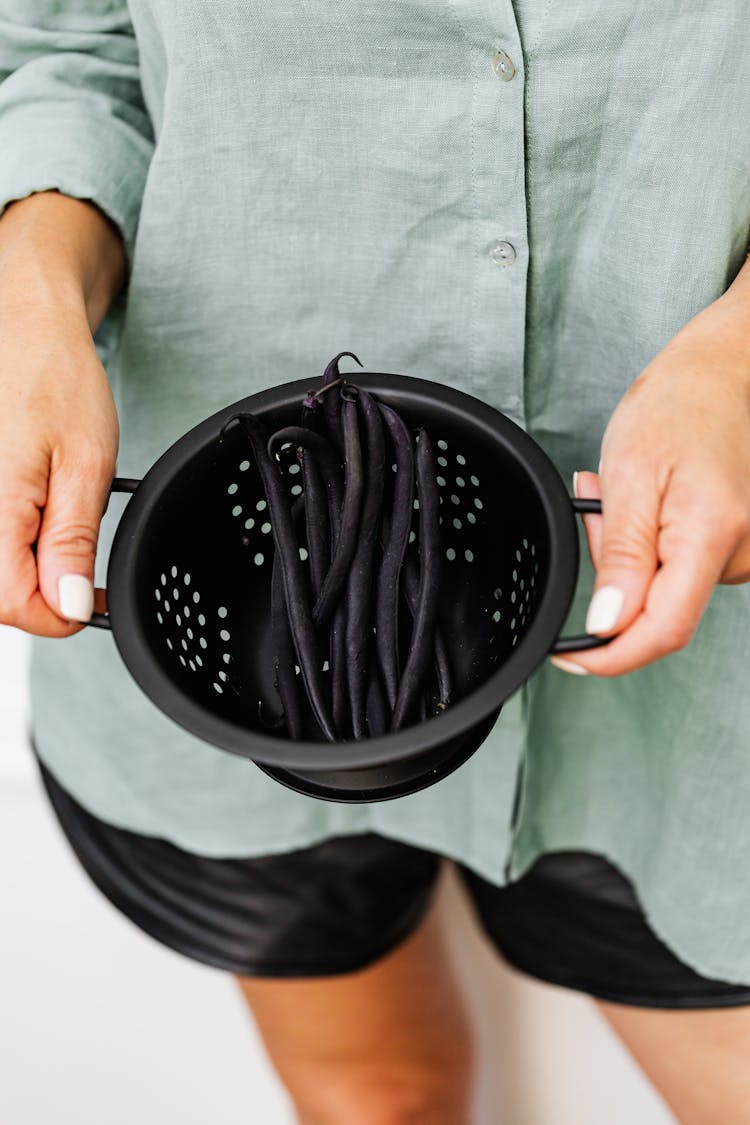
x: 100, y: 1025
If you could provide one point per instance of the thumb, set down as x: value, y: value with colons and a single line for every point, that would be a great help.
x: 627, y: 549
x: 77, y: 497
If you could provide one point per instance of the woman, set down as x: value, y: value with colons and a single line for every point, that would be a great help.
x: 546, y: 204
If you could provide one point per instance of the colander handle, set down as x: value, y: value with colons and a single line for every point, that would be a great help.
x: 119, y: 484
x: 585, y: 640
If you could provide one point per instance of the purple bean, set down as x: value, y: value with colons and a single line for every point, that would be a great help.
x: 378, y: 715
x: 359, y: 585
x: 295, y: 585
x: 342, y: 714
x: 347, y: 540
x: 394, y: 550
x: 330, y: 402
x: 425, y: 618
x: 286, y: 680
x: 410, y: 576
x: 322, y: 489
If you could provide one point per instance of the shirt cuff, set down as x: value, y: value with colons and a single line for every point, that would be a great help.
x: 62, y: 145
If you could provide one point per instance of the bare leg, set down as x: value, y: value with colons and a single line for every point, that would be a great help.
x: 698, y: 1060
x: 389, y: 1045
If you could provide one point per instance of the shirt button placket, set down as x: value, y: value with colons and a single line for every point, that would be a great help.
x: 500, y: 185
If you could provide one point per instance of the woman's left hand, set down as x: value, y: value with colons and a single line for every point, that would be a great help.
x: 674, y: 480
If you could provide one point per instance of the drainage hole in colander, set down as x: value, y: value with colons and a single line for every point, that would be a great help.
x: 202, y: 642
x: 497, y: 594
x: 225, y: 635
x: 169, y: 643
x: 166, y: 606
x: 442, y: 444
x: 261, y: 506
x: 237, y: 510
x: 232, y: 489
x: 460, y: 482
x: 178, y: 619
x: 478, y: 503
x: 442, y: 462
x: 440, y: 482
x: 518, y: 555
x: 222, y: 676
x: 296, y: 490
x: 460, y: 458
x: 174, y: 571
x: 469, y: 556
x: 293, y: 468
x: 244, y: 466
x: 219, y: 688
x: 457, y: 524
x: 196, y: 597
x: 455, y: 499
x: 450, y: 554
x: 160, y: 619
x: 496, y: 616
x: 303, y: 553
x: 258, y: 559
x: 474, y: 480
x: 201, y: 619
x: 222, y: 611
x: 226, y: 657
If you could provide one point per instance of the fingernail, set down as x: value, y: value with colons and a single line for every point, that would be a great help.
x: 604, y: 609
x: 568, y: 666
x: 575, y: 483
x: 600, y: 466
x: 75, y: 595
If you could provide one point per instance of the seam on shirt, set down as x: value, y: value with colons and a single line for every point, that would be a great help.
x: 450, y: 4
x: 540, y: 26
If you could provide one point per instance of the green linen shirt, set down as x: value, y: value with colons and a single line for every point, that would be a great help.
x: 293, y: 179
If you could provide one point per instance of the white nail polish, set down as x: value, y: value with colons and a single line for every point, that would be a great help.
x: 575, y: 483
x: 568, y: 666
x: 604, y: 609
x: 75, y: 595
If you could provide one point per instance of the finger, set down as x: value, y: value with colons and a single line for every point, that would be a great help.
x: 76, y: 499
x: 626, y: 546
x: 586, y: 485
x: 694, y: 557
x: 22, y: 493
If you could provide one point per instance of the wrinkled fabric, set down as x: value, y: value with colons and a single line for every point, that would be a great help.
x: 304, y: 177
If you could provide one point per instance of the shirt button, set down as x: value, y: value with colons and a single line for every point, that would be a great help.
x: 502, y: 253
x: 503, y: 67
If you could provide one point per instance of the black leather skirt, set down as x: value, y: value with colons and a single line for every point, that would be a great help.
x: 571, y: 920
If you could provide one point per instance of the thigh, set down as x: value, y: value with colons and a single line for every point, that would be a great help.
x: 389, y: 1043
x: 699, y: 1061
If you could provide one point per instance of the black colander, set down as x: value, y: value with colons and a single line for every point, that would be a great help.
x: 188, y: 587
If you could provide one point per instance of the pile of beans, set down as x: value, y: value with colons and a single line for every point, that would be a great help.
x: 366, y: 603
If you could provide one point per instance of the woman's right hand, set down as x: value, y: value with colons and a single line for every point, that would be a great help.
x: 58, y: 438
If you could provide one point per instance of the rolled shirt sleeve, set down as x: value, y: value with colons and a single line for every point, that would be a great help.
x: 72, y: 116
